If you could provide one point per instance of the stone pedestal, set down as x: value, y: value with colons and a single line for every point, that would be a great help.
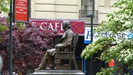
x: 58, y: 72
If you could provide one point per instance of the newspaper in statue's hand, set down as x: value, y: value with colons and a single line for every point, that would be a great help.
x: 59, y: 45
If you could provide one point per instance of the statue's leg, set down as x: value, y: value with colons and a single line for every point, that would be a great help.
x: 44, y: 61
x: 48, y: 57
x: 51, y: 57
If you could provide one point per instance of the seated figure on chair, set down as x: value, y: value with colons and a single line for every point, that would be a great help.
x: 65, y: 41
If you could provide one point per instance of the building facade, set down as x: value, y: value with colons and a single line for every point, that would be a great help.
x: 72, y: 9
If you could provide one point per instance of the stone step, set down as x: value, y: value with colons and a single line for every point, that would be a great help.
x: 58, y: 72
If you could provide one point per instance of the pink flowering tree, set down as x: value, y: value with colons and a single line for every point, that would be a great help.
x: 29, y: 45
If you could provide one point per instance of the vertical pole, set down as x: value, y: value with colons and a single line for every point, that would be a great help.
x: 91, y: 59
x: 115, y: 73
x: 91, y: 64
x: 10, y: 52
x: 1, y: 64
x: 85, y: 67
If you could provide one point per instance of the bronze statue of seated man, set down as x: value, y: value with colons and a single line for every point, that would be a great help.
x: 66, y: 41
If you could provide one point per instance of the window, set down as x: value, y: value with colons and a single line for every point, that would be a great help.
x: 87, y: 6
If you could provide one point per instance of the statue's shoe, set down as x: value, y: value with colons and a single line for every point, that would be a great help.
x: 39, y: 69
x: 52, y: 67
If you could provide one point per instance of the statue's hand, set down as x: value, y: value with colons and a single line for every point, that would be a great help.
x: 59, y: 45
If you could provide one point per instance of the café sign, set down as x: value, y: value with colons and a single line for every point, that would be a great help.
x: 56, y: 25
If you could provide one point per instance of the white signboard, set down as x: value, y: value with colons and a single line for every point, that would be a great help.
x: 87, y: 35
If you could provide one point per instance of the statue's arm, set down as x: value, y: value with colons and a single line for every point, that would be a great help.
x: 64, y: 44
x: 67, y: 42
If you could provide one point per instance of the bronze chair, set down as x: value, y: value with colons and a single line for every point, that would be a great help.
x: 69, y: 52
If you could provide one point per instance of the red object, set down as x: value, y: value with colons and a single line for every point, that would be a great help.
x: 56, y: 25
x: 111, y: 63
x: 21, y: 10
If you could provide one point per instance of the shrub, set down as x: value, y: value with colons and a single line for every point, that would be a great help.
x: 29, y: 46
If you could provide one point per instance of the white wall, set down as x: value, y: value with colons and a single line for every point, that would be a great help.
x: 55, y: 9
x: 105, y: 7
x: 68, y: 9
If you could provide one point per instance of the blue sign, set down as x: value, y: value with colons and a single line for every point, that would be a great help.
x: 130, y: 36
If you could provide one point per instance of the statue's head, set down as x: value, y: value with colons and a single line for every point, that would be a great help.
x: 66, y: 25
